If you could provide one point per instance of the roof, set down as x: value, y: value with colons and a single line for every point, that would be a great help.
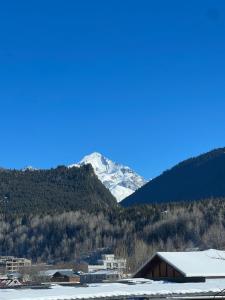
x: 102, y: 272
x: 208, y: 263
x: 14, y: 274
x: 66, y: 273
x: 9, y: 282
x: 50, y: 273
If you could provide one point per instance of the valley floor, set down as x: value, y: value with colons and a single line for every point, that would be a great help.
x: 135, y: 288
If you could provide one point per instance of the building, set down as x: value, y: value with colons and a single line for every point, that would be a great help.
x: 184, y: 266
x: 99, y: 276
x: 13, y: 264
x: 66, y: 277
x: 48, y: 274
x: 6, y: 282
x: 108, y: 262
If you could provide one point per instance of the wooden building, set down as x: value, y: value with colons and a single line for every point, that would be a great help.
x: 194, y: 266
x: 66, y: 277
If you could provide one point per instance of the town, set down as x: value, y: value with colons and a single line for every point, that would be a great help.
x: 112, y: 161
x: 17, y: 272
x: 190, y: 273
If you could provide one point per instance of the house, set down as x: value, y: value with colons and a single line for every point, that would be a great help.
x: 108, y: 262
x: 49, y: 273
x: 193, y: 266
x: 99, y: 276
x: 65, y: 276
x: 60, y: 275
x: 6, y: 282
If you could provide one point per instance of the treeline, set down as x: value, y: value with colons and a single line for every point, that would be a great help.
x: 135, y: 232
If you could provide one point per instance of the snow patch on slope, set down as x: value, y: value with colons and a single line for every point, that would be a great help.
x: 119, y: 179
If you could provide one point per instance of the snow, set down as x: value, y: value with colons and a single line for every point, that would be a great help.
x: 138, y: 288
x: 119, y: 179
x: 120, y: 192
x: 29, y: 168
x: 101, y: 272
x: 197, y: 263
x: 50, y: 273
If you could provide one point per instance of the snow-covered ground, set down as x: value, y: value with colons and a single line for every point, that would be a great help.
x: 119, y: 179
x: 138, y: 288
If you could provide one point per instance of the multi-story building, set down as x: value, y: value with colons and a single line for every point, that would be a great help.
x: 13, y: 264
x: 109, y: 262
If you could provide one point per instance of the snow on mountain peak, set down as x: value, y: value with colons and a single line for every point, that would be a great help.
x: 29, y: 168
x: 119, y: 179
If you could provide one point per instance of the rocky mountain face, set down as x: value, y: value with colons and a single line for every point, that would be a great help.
x: 119, y: 179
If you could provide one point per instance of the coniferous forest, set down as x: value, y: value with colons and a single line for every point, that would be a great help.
x: 53, y: 190
x: 196, y: 178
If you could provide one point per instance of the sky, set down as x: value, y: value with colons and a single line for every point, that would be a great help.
x: 142, y: 82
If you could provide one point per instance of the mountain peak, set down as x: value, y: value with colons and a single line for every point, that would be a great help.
x: 29, y: 168
x: 119, y: 179
x: 94, y: 155
x: 94, y: 158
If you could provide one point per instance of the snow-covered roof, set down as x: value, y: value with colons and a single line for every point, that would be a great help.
x: 117, y: 290
x: 102, y: 272
x: 66, y: 273
x: 208, y: 263
x: 50, y: 273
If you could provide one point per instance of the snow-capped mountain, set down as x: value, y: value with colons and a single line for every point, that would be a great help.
x: 119, y: 179
x: 29, y: 168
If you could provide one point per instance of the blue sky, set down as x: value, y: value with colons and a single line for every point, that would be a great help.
x: 142, y: 82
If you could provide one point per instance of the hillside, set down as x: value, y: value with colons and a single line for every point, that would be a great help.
x: 135, y: 232
x: 197, y: 178
x: 54, y: 190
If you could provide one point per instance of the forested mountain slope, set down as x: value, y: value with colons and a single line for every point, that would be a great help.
x: 194, y: 179
x: 52, y: 191
x: 134, y: 232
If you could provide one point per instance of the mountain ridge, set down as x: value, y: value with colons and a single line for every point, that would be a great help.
x: 196, y: 178
x: 53, y: 190
x: 119, y: 179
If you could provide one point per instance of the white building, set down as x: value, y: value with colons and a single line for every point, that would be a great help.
x: 108, y: 262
